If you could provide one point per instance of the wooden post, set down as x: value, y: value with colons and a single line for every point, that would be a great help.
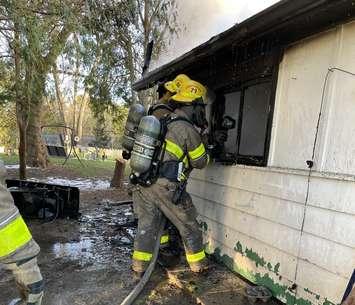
x: 117, y: 178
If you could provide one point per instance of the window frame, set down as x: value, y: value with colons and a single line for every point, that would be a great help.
x: 272, y: 79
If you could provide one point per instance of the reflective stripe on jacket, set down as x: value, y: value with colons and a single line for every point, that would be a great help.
x: 14, y: 233
x: 183, y: 142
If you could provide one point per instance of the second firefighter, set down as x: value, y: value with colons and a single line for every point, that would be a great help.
x: 183, y: 150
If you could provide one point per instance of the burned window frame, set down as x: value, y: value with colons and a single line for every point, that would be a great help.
x: 266, y: 71
x: 250, y: 159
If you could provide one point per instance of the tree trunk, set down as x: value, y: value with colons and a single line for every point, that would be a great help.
x: 21, y: 106
x: 59, y: 95
x: 22, y: 149
x: 81, y: 114
x: 131, y: 69
x: 118, y: 174
x: 32, y: 91
x: 36, y: 150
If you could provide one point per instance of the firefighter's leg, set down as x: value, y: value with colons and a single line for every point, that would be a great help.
x: 29, y: 280
x: 170, y: 246
x: 149, y: 217
x: 165, y: 238
x: 191, y: 233
x: 183, y: 216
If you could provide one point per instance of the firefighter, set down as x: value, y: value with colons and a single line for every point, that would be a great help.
x: 18, y: 250
x: 169, y: 243
x: 167, y: 197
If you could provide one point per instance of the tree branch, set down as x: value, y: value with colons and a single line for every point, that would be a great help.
x: 71, y: 73
x: 140, y: 12
x: 6, y: 56
x: 6, y: 29
x: 155, y: 11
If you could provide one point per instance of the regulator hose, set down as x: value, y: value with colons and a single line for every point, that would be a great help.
x: 147, y: 274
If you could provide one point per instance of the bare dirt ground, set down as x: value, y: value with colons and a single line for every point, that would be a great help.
x: 87, y: 261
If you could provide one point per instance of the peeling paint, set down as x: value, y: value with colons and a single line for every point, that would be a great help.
x: 203, y: 226
x: 327, y: 302
x: 278, y: 290
x: 238, y: 247
x: 256, y: 258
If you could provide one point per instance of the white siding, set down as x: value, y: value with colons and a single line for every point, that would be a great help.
x: 298, y: 99
x: 338, y: 145
x: 312, y: 242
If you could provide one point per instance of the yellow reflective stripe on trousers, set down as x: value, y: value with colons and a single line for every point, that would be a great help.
x: 13, y: 236
x: 197, y: 152
x: 142, y: 256
x: 196, y: 257
x: 164, y: 239
x: 175, y: 150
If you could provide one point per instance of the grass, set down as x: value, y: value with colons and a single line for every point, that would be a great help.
x: 9, y: 160
x: 91, y: 168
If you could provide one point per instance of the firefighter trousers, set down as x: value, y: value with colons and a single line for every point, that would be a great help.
x: 151, y: 204
x: 28, y: 279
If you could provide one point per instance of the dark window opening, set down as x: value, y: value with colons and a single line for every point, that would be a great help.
x: 251, y: 107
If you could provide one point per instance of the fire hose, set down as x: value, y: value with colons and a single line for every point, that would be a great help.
x: 144, y: 280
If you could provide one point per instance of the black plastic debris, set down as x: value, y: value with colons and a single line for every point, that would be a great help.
x: 43, y: 200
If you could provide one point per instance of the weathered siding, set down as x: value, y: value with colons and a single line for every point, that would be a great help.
x: 276, y: 225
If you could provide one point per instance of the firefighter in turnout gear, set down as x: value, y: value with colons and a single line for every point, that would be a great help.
x: 183, y: 150
x: 18, y: 251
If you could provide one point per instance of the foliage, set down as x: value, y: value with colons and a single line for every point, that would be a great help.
x: 101, y: 133
x: 99, y: 46
x: 9, y: 159
x: 6, y: 94
x: 8, y: 128
x: 119, y: 116
x: 116, y: 40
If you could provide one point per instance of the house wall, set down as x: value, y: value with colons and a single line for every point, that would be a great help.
x: 281, y: 225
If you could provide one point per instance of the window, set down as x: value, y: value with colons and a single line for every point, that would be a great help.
x: 251, y: 108
x: 232, y: 108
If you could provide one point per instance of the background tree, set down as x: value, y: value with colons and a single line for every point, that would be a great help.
x: 96, y: 46
x: 36, y: 33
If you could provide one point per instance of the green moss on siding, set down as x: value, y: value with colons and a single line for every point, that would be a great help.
x: 278, y: 290
x: 239, y: 248
x: 327, y: 302
x: 203, y: 226
x: 255, y: 257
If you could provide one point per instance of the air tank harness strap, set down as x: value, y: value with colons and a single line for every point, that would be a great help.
x: 173, y: 169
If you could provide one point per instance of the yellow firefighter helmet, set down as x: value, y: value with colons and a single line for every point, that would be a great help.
x: 175, y: 85
x: 190, y: 91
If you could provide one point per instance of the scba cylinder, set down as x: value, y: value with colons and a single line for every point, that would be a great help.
x: 145, y: 145
x: 135, y: 114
